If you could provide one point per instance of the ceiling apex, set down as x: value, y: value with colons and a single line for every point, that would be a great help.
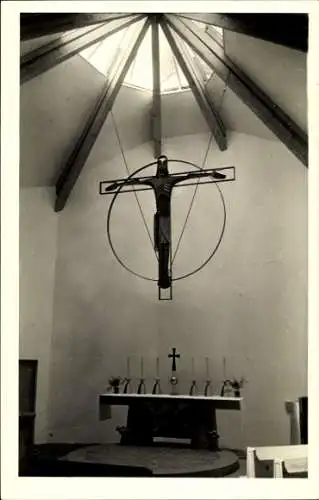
x: 157, y: 16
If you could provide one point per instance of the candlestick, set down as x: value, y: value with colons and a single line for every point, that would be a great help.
x: 207, y: 388
x: 141, y: 389
x: 193, y: 387
x: 128, y: 376
x: 156, y: 387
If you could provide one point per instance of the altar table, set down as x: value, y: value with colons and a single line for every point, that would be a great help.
x: 161, y: 415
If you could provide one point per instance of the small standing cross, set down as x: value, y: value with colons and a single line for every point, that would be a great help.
x: 174, y: 356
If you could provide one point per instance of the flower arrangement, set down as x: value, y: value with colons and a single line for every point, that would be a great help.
x: 233, y: 385
x: 238, y: 384
x: 114, y: 384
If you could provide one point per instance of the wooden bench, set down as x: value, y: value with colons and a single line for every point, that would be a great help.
x: 277, y: 461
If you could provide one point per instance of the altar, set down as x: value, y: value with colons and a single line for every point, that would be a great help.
x: 152, y: 416
x: 165, y: 435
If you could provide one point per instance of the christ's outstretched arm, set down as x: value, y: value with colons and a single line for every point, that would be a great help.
x: 194, y: 175
x: 129, y: 182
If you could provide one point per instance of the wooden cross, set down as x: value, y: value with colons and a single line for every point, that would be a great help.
x: 174, y: 356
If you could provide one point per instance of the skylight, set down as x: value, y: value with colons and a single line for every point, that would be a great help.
x: 140, y: 75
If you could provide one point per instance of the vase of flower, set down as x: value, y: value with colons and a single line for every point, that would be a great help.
x: 233, y: 385
x: 114, y: 384
x: 237, y: 386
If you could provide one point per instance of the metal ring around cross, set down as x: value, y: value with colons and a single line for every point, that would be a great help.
x: 196, y: 270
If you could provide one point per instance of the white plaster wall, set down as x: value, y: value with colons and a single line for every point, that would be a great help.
x: 38, y: 240
x: 249, y: 304
x: 279, y: 71
x: 53, y: 108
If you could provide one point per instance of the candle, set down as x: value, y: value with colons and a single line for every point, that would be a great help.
x: 128, y: 367
x: 157, y: 367
x: 193, y: 368
x: 224, y: 367
x: 142, y: 367
x: 207, y: 368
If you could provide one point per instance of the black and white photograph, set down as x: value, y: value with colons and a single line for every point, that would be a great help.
x: 163, y: 267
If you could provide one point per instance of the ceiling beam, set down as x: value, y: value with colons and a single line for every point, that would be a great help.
x: 197, y: 85
x: 212, y: 31
x: 48, y: 56
x: 290, y: 30
x: 294, y: 138
x: 36, y: 25
x: 156, y: 104
x: 84, y: 145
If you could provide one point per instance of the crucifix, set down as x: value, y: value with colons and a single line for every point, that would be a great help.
x: 162, y: 184
x: 173, y: 379
x: 173, y: 355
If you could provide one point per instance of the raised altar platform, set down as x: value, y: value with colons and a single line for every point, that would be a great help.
x: 161, y: 461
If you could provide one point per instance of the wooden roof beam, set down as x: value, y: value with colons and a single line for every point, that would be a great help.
x: 212, y: 31
x: 197, y: 85
x: 48, y: 56
x: 85, y: 143
x: 156, y: 105
x: 36, y: 25
x: 294, y: 138
x: 290, y: 29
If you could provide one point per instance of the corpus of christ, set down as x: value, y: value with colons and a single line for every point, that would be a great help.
x: 162, y: 184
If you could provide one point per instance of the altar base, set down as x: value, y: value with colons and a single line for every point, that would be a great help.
x: 162, y: 461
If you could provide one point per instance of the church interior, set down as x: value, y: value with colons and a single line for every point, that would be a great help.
x: 102, y: 95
